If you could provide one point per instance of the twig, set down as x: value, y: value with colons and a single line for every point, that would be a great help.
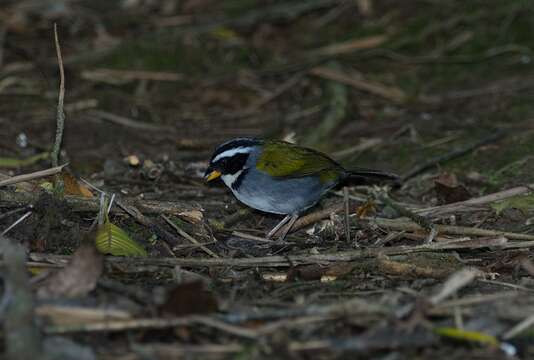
x: 472, y: 203
x: 418, y: 219
x: 189, y: 237
x: 14, y: 211
x: 451, y: 155
x: 476, y: 299
x: 124, y: 121
x: 152, y: 225
x: 519, y: 328
x: 60, y: 115
x: 10, y: 199
x: 347, y: 220
x: 387, y: 92
x: 281, y: 261
x: 350, y: 46
x: 253, y: 238
x: 32, y: 176
x: 316, y: 216
x: 18, y: 221
x: 447, y: 229
x: 454, y: 283
x: 150, y: 323
x: 121, y: 76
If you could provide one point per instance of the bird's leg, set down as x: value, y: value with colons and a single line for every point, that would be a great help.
x: 289, y: 217
x: 290, y: 220
x: 278, y: 226
x: 290, y: 224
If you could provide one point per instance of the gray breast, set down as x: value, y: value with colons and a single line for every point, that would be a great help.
x: 279, y: 196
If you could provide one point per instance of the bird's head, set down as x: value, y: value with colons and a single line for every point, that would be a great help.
x: 230, y: 159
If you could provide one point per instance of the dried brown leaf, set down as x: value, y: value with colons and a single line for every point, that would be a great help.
x: 448, y: 190
x: 76, y: 279
x: 189, y: 298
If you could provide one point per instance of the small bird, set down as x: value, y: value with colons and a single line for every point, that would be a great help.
x: 281, y: 178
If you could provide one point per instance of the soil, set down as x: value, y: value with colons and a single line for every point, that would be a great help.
x: 151, y: 88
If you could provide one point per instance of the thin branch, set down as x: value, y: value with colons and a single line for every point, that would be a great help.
x: 31, y: 176
x: 60, y: 115
x: 285, y: 261
x: 12, y: 199
x: 519, y: 328
x: 403, y: 225
x: 189, y: 237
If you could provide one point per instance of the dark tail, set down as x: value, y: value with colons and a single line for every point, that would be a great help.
x: 362, y: 176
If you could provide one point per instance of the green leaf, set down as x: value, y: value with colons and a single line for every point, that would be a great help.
x: 520, y: 202
x: 9, y: 163
x: 467, y: 336
x: 111, y: 239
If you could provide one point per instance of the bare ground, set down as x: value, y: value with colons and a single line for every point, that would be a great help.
x: 437, y: 92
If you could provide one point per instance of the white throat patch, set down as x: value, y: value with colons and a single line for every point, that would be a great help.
x: 232, y: 152
x: 229, y: 179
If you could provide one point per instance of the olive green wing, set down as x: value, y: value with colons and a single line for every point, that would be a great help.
x: 282, y: 159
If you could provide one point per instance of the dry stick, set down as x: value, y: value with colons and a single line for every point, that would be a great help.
x: 477, y: 299
x: 519, y: 328
x: 143, y: 220
x: 455, y: 282
x: 60, y: 115
x: 254, y: 238
x: 387, y: 92
x: 418, y: 219
x: 314, y: 217
x: 400, y: 225
x: 281, y: 261
x: 189, y: 237
x: 18, y: 221
x: 124, y: 121
x: 11, y: 199
x: 151, y: 323
x: 472, y: 203
x: 347, y: 219
x: 31, y: 176
x: 451, y: 155
x: 110, y: 75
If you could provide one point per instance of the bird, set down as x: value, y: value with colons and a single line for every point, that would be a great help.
x: 282, y: 178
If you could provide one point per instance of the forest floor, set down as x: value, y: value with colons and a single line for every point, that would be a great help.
x: 438, y: 92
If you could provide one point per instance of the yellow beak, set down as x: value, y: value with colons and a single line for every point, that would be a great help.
x: 213, y: 175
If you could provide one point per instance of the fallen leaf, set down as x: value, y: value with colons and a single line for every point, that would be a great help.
x: 111, y: 239
x: 76, y: 279
x: 448, y: 190
x: 189, y: 298
x: 467, y: 336
x: 75, y: 187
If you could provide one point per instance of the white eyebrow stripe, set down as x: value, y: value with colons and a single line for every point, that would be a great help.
x: 232, y: 152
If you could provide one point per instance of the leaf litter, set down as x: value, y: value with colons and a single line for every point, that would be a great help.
x: 152, y: 87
